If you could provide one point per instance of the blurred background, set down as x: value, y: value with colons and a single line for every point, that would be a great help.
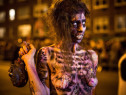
x: 23, y: 20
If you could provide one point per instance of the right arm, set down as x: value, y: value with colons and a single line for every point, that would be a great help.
x: 42, y: 67
x: 36, y: 86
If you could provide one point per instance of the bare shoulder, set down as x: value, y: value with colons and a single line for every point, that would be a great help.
x: 93, y: 53
x: 94, y: 56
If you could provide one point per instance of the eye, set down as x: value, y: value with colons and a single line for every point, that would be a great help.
x: 83, y: 23
x: 75, y: 23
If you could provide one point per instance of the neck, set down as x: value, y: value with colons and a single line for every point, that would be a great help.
x: 72, y: 46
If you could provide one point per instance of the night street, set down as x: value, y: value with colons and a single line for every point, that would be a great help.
x: 108, y: 83
x: 63, y: 33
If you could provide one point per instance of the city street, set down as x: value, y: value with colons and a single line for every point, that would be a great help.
x: 108, y: 82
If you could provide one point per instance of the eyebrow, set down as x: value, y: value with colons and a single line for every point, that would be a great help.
x: 84, y: 20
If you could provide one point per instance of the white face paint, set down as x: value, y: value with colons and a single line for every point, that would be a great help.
x: 78, y: 28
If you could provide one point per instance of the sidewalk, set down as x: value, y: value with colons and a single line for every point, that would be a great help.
x: 107, y: 83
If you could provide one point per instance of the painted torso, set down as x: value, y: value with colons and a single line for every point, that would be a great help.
x: 69, y: 77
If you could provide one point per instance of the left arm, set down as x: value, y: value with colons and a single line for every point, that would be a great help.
x: 92, y: 81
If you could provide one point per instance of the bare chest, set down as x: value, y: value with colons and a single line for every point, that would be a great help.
x: 69, y: 72
x: 77, y: 63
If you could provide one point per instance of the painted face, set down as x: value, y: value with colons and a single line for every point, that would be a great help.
x: 78, y: 27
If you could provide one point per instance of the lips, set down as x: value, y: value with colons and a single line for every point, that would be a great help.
x: 79, y: 36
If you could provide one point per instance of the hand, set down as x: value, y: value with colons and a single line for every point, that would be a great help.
x: 27, y: 52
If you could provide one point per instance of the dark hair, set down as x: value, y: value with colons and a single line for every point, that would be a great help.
x: 59, y: 17
x: 60, y: 14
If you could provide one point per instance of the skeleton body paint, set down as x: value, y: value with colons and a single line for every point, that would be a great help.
x: 64, y: 68
x: 80, y: 79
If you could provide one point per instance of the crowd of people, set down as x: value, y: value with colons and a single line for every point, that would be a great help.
x: 109, y: 52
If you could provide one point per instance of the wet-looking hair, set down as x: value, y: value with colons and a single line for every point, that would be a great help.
x: 60, y: 15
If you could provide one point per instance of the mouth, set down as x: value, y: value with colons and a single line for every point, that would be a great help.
x: 80, y: 36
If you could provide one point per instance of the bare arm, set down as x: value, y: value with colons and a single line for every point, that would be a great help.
x: 92, y: 80
x: 42, y: 66
x: 36, y: 86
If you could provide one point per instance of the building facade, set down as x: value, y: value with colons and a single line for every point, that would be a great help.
x: 21, y: 19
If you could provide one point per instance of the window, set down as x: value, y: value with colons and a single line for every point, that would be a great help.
x: 11, y: 1
x: 24, y: 30
x: 2, y: 16
x: 120, y: 23
x: 101, y: 25
x: 23, y: 13
x: 120, y: 2
x: 11, y: 14
x: 2, y: 32
x: 100, y: 4
x: 21, y: 0
x: 1, y: 2
x: 39, y: 10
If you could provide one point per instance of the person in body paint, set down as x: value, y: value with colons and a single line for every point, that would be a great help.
x: 64, y: 68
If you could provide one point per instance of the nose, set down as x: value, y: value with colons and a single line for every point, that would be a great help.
x: 81, y: 28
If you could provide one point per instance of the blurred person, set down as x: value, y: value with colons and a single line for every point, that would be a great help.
x: 93, y: 44
x: 64, y: 68
x: 122, y: 75
x: 8, y: 51
x: 123, y: 46
x: 39, y: 28
x: 103, y: 56
x: 114, y: 52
